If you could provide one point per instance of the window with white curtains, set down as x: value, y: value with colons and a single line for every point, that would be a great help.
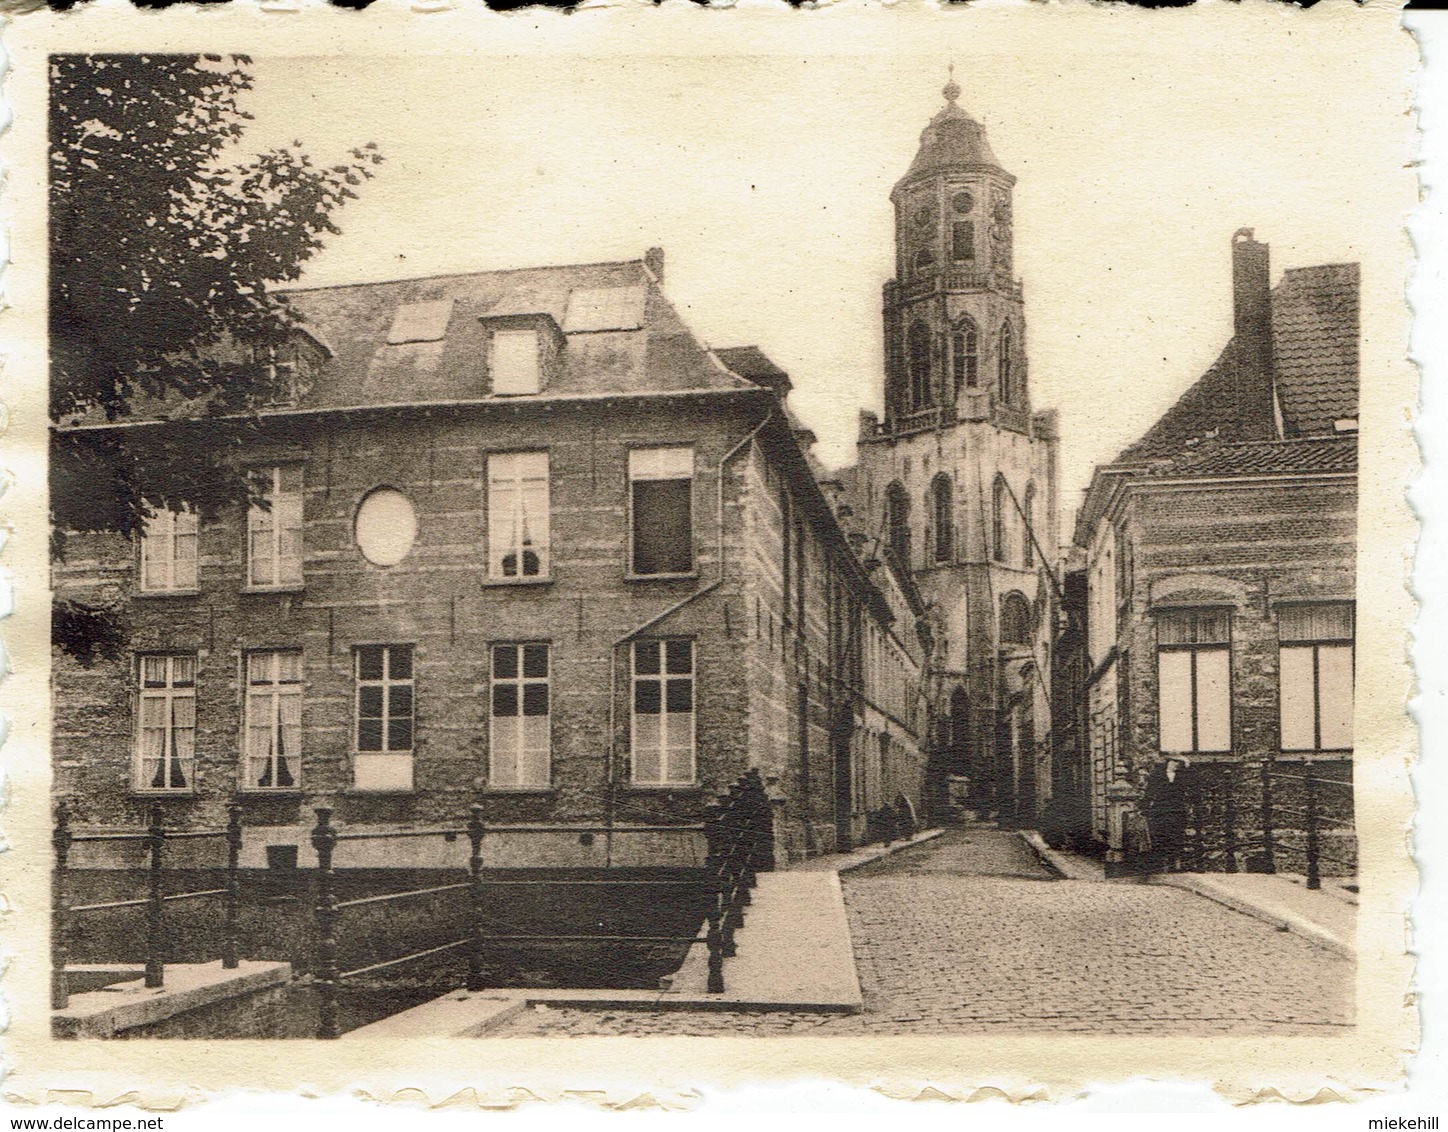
x: 168, y: 552
x: 166, y: 737
x: 1315, y: 658
x: 1194, y: 686
x: 273, y: 720
x: 663, y: 712
x: 274, y: 528
x: 518, y: 515
x: 519, y: 737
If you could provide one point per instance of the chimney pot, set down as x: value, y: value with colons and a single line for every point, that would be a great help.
x: 1256, y: 400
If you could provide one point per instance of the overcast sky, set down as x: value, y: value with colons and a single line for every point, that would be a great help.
x: 766, y: 179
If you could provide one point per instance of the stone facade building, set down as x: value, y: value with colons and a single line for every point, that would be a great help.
x: 957, y: 480
x: 1218, y: 554
x: 518, y: 537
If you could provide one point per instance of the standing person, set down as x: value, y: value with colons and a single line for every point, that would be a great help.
x: 1166, y: 812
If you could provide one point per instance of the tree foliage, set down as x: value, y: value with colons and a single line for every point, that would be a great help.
x: 166, y: 242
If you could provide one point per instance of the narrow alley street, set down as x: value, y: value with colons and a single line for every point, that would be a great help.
x: 968, y: 933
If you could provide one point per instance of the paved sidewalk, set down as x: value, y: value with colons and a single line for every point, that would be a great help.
x: 1326, y: 916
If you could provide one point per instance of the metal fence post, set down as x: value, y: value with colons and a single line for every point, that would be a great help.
x: 231, y: 938
x: 155, y: 906
x: 324, y: 840
x: 59, y: 925
x: 1269, y: 834
x: 1314, y: 875
x: 475, y: 875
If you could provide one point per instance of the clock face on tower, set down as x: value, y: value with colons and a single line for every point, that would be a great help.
x: 924, y: 214
x: 962, y: 202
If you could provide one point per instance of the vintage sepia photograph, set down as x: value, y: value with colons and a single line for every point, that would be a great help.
x: 611, y: 543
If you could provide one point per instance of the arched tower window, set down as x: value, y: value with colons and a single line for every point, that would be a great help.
x: 1005, y: 363
x: 918, y: 352
x: 942, y: 498
x: 897, y: 522
x: 1028, y: 545
x: 1015, y: 619
x: 965, y: 356
x: 998, y: 520
x: 962, y: 241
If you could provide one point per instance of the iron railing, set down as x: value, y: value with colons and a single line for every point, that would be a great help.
x: 1249, y: 816
x: 738, y: 832
x: 155, y: 837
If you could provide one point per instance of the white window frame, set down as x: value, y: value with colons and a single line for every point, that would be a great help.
x: 270, y: 696
x: 661, y: 748
x: 667, y: 462
x: 173, y: 691
x: 1195, y: 650
x: 1314, y: 646
x: 518, y: 747
x: 267, y: 568
x: 507, y: 354
x: 383, y: 768
x: 164, y: 534
x: 519, y: 502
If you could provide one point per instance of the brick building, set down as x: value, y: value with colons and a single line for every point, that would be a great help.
x: 1216, y: 626
x: 957, y: 481
x: 526, y: 541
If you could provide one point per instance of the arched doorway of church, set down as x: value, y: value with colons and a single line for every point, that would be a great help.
x: 964, y: 777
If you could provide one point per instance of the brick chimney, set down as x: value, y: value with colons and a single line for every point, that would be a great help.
x: 1255, y: 407
x: 654, y: 261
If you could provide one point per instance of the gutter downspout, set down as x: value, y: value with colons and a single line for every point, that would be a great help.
x: 609, y: 754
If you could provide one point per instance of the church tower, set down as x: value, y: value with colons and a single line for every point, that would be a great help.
x: 958, y: 476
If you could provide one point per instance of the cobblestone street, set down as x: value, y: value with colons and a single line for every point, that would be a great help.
x: 968, y: 933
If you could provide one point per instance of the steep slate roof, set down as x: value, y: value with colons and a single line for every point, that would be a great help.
x: 1315, y: 358
x: 622, y: 335
x: 952, y: 140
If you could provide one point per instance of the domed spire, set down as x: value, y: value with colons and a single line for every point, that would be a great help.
x: 953, y: 139
x: 952, y: 88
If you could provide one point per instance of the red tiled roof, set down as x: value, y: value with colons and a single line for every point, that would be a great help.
x: 1315, y: 347
x: 1315, y: 359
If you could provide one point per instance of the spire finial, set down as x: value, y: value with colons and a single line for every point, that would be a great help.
x: 952, y: 88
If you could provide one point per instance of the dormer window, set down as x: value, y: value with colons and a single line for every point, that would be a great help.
x: 289, y: 371
x: 513, y: 362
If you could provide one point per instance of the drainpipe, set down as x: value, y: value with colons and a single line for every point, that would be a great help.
x: 609, y: 752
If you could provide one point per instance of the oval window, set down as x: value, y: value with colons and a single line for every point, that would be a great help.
x: 386, y: 527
